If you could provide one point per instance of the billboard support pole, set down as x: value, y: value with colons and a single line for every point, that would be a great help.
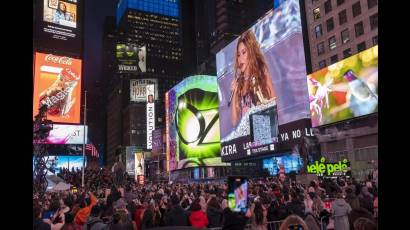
x: 85, y: 122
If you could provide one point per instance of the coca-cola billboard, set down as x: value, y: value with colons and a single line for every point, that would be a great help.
x: 59, y: 26
x: 57, y: 84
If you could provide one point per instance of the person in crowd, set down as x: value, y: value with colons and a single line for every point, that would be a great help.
x: 311, y: 222
x: 258, y: 216
x: 341, y: 210
x: 364, y: 224
x: 85, y: 209
x: 148, y: 219
x: 308, y: 202
x: 233, y: 220
x: 69, y: 223
x: 293, y: 222
x: 214, y: 213
x: 197, y: 218
x: 352, y: 199
x: 295, y: 206
x: 121, y: 221
x: 94, y: 222
x: 38, y: 223
x: 176, y: 216
x: 358, y: 213
x: 139, y: 214
x: 366, y: 199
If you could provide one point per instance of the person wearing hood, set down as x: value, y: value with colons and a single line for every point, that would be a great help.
x: 177, y: 216
x: 198, y: 218
x: 366, y: 199
x: 94, y: 221
x: 341, y: 210
x: 311, y: 222
x: 214, y: 213
x: 84, y: 212
x: 352, y: 199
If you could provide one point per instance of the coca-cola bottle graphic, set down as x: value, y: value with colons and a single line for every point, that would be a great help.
x: 359, y: 88
x: 58, y: 97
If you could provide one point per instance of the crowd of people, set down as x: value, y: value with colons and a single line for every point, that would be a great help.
x: 103, y: 204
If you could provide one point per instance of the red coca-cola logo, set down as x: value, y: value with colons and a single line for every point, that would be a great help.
x: 58, y: 59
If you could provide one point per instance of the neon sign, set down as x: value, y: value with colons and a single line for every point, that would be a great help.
x: 321, y: 168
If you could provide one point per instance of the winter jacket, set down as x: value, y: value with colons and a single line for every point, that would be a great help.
x: 341, y: 210
x: 296, y: 207
x: 39, y: 224
x: 94, y: 223
x: 176, y: 217
x: 214, y: 217
x: 311, y: 222
x: 198, y: 219
x: 82, y: 214
x: 352, y: 200
x: 233, y: 221
x: 147, y: 219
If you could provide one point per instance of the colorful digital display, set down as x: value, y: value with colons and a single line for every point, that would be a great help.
x: 262, y: 85
x: 63, y: 162
x: 346, y: 89
x: 193, y: 123
x: 131, y: 58
x: 138, y: 89
x: 67, y: 134
x: 290, y: 162
x: 61, y: 26
x: 57, y: 84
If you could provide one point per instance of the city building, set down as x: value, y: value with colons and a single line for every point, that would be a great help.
x: 338, y: 29
x: 153, y: 26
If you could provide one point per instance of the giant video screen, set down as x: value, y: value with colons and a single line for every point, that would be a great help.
x: 346, y: 89
x: 63, y: 162
x: 59, y: 25
x: 193, y: 136
x: 262, y: 86
x: 57, y: 84
x: 67, y: 135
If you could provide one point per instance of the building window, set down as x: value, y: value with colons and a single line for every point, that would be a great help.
x: 322, y: 64
x: 316, y: 13
x: 347, y: 53
x: 320, y: 48
x: 333, y: 59
x: 375, y: 40
x: 358, y: 27
x: 374, y: 21
x: 357, y: 9
x: 371, y: 3
x: 361, y: 47
x: 345, y: 36
x: 340, y: 2
x: 318, y: 30
x: 328, y: 6
x: 332, y: 42
x: 329, y: 24
x: 342, y: 17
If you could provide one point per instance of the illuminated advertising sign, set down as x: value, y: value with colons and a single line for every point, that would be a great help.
x: 346, y: 89
x: 193, y: 123
x: 57, y: 84
x: 130, y: 159
x: 150, y: 114
x: 67, y: 134
x: 138, y: 89
x: 61, y: 25
x: 326, y: 169
x: 139, y: 164
x: 131, y: 58
x: 63, y: 162
x: 263, y: 98
x: 157, y: 141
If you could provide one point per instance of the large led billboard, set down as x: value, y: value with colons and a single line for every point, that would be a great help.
x: 193, y: 123
x: 346, y: 89
x: 131, y: 58
x: 263, y: 98
x: 63, y: 162
x: 60, y: 25
x: 67, y: 134
x: 57, y: 84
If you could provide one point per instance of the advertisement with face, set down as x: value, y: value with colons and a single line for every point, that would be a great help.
x: 60, y: 27
x: 67, y: 134
x: 150, y: 114
x: 131, y: 58
x: 139, y: 164
x: 262, y: 83
x: 57, y: 84
x: 346, y: 89
x: 193, y: 123
x: 138, y: 89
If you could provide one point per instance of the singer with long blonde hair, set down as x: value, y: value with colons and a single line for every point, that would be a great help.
x: 252, y: 83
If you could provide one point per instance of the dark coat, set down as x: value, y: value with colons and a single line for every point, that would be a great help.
x: 214, y: 217
x: 233, y: 220
x: 177, y: 216
x: 39, y: 224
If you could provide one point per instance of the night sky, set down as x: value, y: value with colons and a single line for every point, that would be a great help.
x: 95, y: 13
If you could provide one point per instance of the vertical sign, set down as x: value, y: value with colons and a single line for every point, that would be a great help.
x: 150, y: 114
